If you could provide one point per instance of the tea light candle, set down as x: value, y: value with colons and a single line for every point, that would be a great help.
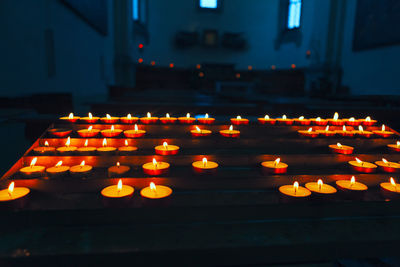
x: 320, y: 122
x: 341, y: 149
x: 86, y: 150
x: 390, y: 189
x: 89, y: 132
x: 58, y: 170
x: 67, y: 149
x: 336, y: 121
x: 206, y: 120
x: 326, y: 132
x: 266, y: 120
x: 187, y: 119
x: 200, y: 132
x: 149, y: 119
x: 70, y: 118
x: 320, y: 189
x: 166, y: 149
x: 60, y: 132
x: 294, y: 191
x: 275, y: 167
x: 111, y: 132
x: 109, y: 119
x: 362, y: 133
x: 168, y: 119
x: 80, y: 170
x: 368, y: 121
x: 204, y: 166
x: 352, y: 122
x: 127, y: 149
x: 136, y: 133
x: 90, y: 118
x: 118, y: 170
x: 14, y: 195
x: 106, y: 150
x: 285, y: 121
x: 156, y: 192
x: 44, y: 150
x: 32, y: 171
x: 155, y: 168
x: 302, y: 121
x: 230, y: 132
x: 308, y: 133
x: 388, y: 166
x: 351, y: 185
x: 383, y: 133
x: 119, y: 191
x: 345, y: 133
x: 362, y: 166
x: 239, y: 121
x: 394, y: 147
x: 129, y: 119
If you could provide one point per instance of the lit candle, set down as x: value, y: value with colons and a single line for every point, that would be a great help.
x: 362, y: 133
x: 155, y: 168
x: 44, y: 150
x: 302, y: 121
x: 67, y: 149
x: 294, y: 191
x: 284, y: 120
x: 166, y: 149
x: 390, y: 189
x: 109, y: 119
x: 308, y: 133
x: 148, y: 119
x: 60, y: 132
x: 351, y: 185
x: 187, y: 119
x: 326, y: 132
x: 80, y: 170
x: 341, y: 149
x: 266, y: 120
x: 368, y: 121
x: 70, y: 118
x: 86, y: 150
x: 383, y: 132
x: 106, y: 150
x: 168, y: 119
x: 394, y: 147
x: 352, y: 121
x: 345, y: 133
x: 127, y: 149
x: 118, y: 170
x: 239, y: 121
x: 32, y: 170
x: 230, y: 132
x: 90, y: 118
x: 388, y: 166
x: 129, y: 119
x: 362, y: 166
x: 200, y: 132
x: 135, y: 133
x: 204, y: 166
x: 15, y: 196
x: 336, y: 121
x: 156, y: 192
x: 320, y: 189
x: 89, y: 132
x: 58, y: 170
x: 320, y: 122
x: 112, y: 132
x: 206, y: 120
x: 274, y: 167
x: 120, y: 193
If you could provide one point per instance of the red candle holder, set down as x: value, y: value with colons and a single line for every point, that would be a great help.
x: 327, y: 132
x: 345, y: 132
x: 388, y: 166
x: 166, y: 149
x: 71, y: 118
x: 109, y: 119
x: 111, y: 132
x: 148, y: 120
x: 391, y: 189
x: 352, y: 122
x: 60, y: 132
x: 266, y: 120
x: 155, y: 168
x: 368, y: 121
x: 129, y: 119
x: 186, y: 120
x: 284, y: 121
x: 341, y: 149
x: 90, y: 119
x: 134, y: 133
x: 394, y: 147
x: 204, y: 167
x: 90, y: 132
x: 383, y: 132
x: 206, y: 120
x: 167, y: 119
x: 200, y: 132
x: 362, y: 166
x: 362, y: 133
x: 308, y: 133
x: 302, y: 121
x: 230, y: 133
x: 320, y: 122
x: 274, y: 167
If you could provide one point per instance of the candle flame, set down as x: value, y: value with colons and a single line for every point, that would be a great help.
x: 276, y: 162
x: 368, y: 118
x: 352, y: 119
x: 118, y: 164
x: 148, y: 115
x: 339, y: 145
x: 206, y: 116
x: 309, y: 130
x: 320, y: 184
x: 167, y: 115
x: 384, y: 160
x: 68, y: 142
x: 108, y: 116
x: 198, y: 129
x: 284, y: 117
x: 71, y: 116
x: 383, y: 127
x: 398, y: 143
x: 82, y: 163
x: 59, y: 163
x: 360, y: 128
x: 155, y: 162
x: 152, y: 186
x: 231, y: 128
x: 47, y: 143
x: 129, y: 116
x: 318, y: 119
x: 344, y: 128
x: 126, y: 142
x: 352, y: 180
x: 11, y: 188
x: 266, y: 117
x: 33, y: 162
x: 238, y: 118
x: 119, y: 186
x: 358, y: 160
x: 90, y: 128
x: 392, y: 181
x: 136, y: 128
x: 188, y: 115
x: 104, y: 142
x: 295, y: 186
x: 90, y: 115
x: 112, y: 128
x: 327, y: 128
x: 336, y: 116
x: 86, y: 142
x: 204, y: 162
x: 301, y: 118
x: 165, y: 144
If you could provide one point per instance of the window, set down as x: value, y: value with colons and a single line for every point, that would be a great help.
x: 208, y: 4
x: 294, y: 13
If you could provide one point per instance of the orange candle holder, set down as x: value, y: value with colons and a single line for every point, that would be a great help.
x: 352, y: 122
x: 166, y: 149
x: 368, y: 121
x: 394, y: 147
x: 81, y: 170
x: 109, y: 119
x: 230, y: 132
x: 362, y: 133
x: 362, y: 166
x: 383, y: 132
x: 187, y: 119
x: 285, y: 121
x: 274, y: 167
x: 266, y: 120
x: 387, y: 166
x: 206, y: 120
x: 86, y: 150
x: 14, y: 197
x: 136, y: 133
x: 129, y: 119
x: 390, y: 189
x: 335, y: 121
x: 204, y: 166
x: 71, y: 118
x: 106, y: 150
x: 90, y: 118
x: 308, y: 133
x: 168, y: 119
x: 321, y: 190
x: 200, y: 132
x: 148, y: 119
x: 351, y: 187
x: 44, y: 150
x: 32, y: 171
x: 295, y: 192
x: 67, y: 149
x: 302, y: 121
x: 341, y: 149
x: 117, y: 195
x: 239, y: 121
x: 320, y: 122
x: 327, y: 132
x: 118, y: 170
x: 58, y: 170
x: 111, y: 132
x: 155, y: 168
x: 345, y: 132
x: 89, y: 132
x: 60, y: 132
